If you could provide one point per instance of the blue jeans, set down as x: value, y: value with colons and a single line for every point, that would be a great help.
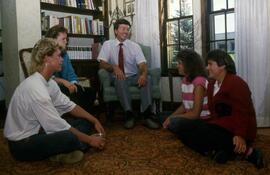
x: 41, y: 146
x: 200, y: 135
x: 175, y: 123
x: 124, y: 95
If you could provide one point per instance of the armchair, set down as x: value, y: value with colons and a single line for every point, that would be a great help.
x: 108, y: 91
x: 25, y: 60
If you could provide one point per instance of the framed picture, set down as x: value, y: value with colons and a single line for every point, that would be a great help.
x: 129, y: 8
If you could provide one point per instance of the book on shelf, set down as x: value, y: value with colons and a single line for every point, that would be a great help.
x: 97, y: 27
x: 84, y: 52
x: 83, y: 4
x: 100, y: 28
x: 74, y: 24
x: 79, y: 52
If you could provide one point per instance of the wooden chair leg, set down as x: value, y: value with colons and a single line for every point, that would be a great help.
x: 157, y: 103
x: 109, y: 111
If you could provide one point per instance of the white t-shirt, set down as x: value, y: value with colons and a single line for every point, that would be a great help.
x: 133, y: 55
x: 36, y: 103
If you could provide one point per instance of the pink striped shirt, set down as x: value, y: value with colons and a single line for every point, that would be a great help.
x: 188, y: 95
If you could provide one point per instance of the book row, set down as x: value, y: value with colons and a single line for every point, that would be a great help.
x: 74, y: 24
x: 83, y: 52
x: 84, y: 4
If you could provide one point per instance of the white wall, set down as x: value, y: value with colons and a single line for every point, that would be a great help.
x: 21, y: 29
x: 0, y: 14
x: 2, y: 96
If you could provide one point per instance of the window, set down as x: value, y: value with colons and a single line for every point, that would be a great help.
x: 222, y: 25
x: 178, y: 26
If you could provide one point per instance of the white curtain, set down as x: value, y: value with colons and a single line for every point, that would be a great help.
x: 147, y: 28
x: 253, y: 52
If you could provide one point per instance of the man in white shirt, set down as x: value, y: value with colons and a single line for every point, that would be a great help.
x: 34, y: 127
x: 125, y: 60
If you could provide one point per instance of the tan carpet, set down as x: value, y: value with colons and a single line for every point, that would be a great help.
x: 136, y: 152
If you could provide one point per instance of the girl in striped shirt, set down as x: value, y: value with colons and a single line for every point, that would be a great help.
x: 194, y: 84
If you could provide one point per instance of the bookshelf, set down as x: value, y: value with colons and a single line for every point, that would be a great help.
x: 80, y: 22
x: 75, y: 10
x: 85, y: 22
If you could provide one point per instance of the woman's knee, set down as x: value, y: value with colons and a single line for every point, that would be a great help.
x: 69, y: 136
x: 174, y: 125
x: 179, y: 123
x: 85, y: 126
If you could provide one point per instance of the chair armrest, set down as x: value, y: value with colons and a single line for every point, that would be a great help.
x: 84, y: 82
x: 104, y: 77
x: 155, y: 75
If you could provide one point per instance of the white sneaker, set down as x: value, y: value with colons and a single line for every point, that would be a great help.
x: 69, y: 158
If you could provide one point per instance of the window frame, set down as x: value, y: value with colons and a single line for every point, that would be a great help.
x: 224, y: 12
x: 164, y: 45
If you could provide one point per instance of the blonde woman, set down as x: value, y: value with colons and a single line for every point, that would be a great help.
x: 34, y: 127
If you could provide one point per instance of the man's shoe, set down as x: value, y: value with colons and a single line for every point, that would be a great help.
x: 130, y: 123
x: 68, y: 158
x: 220, y: 157
x: 130, y: 120
x: 256, y: 157
x: 149, y: 121
x: 151, y: 124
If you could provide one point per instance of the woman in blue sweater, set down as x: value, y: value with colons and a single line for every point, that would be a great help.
x: 66, y: 78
